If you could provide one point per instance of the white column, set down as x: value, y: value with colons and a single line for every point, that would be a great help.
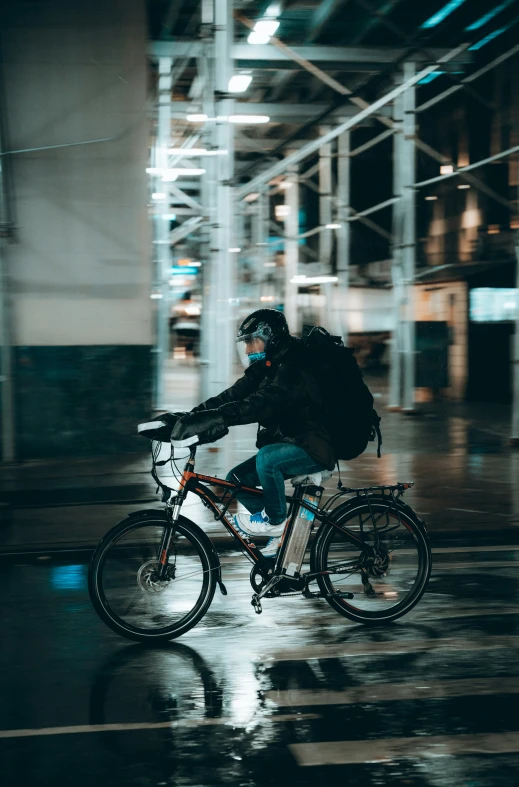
x: 221, y: 295
x: 409, y: 239
x: 395, y: 371
x: 161, y: 231
x: 325, y: 205
x: 515, y: 359
x: 291, y: 250
x: 343, y: 236
x: 259, y: 235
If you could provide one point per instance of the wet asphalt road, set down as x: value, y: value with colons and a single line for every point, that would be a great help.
x: 296, y: 695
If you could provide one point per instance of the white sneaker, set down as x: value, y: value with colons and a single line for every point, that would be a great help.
x: 258, y: 524
x: 272, y: 547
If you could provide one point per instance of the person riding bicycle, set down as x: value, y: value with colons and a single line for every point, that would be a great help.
x: 279, y: 391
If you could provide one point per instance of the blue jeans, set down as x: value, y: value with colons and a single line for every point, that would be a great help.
x: 268, y: 469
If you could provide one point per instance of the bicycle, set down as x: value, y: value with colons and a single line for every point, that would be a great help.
x: 154, y: 575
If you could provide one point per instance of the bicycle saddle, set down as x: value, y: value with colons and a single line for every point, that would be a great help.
x: 312, y: 478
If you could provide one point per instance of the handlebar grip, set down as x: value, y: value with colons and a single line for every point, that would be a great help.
x: 187, y: 443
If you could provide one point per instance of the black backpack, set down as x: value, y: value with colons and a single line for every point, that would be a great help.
x: 350, y: 416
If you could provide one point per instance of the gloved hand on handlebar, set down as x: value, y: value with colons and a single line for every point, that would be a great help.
x: 209, y: 425
x: 162, y: 432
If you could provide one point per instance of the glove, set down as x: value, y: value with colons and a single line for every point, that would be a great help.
x: 162, y: 432
x: 209, y: 425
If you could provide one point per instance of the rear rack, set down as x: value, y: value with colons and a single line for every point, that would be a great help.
x: 392, y: 491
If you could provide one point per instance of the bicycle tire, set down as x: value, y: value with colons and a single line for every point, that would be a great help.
x: 319, y: 562
x: 202, y: 545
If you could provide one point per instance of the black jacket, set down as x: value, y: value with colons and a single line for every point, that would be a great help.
x: 282, y: 395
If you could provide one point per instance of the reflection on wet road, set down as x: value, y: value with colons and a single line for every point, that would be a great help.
x: 295, y: 694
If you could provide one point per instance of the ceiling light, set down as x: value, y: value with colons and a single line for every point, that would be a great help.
x: 333, y: 226
x: 490, y: 15
x: 263, y: 30
x: 464, y: 186
x: 431, y: 198
x: 446, y: 169
x: 234, y: 249
x: 442, y: 14
x: 285, y: 184
x: 270, y: 264
x: 270, y: 298
x: 249, y: 118
x: 282, y: 211
x: 487, y: 39
x: 197, y: 118
x: 156, y: 296
x: 429, y: 78
x: 239, y: 83
x: 266, y: 26
x: 158, y: 195
x: 252, y: 197
x: 302, y: 280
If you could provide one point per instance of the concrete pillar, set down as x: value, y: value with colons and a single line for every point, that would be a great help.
x: 402, y: 372
x: 343, y: 236
x: 75, y: 77
x: 325, y: 206
x: 291, y: 250
x: 515, y: 360
x: 162, y: 256
x: 408, y: 164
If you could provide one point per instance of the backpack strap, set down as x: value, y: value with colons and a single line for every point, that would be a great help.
x: 375, y: 430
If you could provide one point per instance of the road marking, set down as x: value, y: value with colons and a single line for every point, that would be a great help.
x: 389, y: 749
x: 391, y: 692
x: 390, y: 647
x: 160, y: 725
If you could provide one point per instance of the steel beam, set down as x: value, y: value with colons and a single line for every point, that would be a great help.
x: 183, y: 197
x: 7, y: 408
x: 325, y: 205
x: 278, y: 112
x: 475, y: 165
x: 185, y: 229
x: 408, y: 163
x: 342, y: 57
x: 315, y: 144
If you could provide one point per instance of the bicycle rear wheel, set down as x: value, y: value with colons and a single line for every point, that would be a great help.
x: 124, y: 588
x: 387, y: 575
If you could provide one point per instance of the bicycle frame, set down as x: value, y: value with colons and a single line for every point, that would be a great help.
x: 191, y: 481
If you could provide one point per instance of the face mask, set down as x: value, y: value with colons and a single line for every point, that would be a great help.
x: 257, y: 357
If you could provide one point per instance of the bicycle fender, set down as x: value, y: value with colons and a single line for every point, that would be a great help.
x: 398, y: 502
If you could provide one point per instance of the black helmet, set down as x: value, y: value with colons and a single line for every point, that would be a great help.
x: 267, y: 324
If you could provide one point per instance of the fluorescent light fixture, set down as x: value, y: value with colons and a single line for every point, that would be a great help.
x: 282, y: 211
x: 333, y: 226
x: 263, y: 30
x: 270, y: 298
x: 266, y: 26
x: 284, y: 185
x: 196, y: 118
x: 174, y: 173
x: 446, y: 169
x: 430, y: 198
x: 248, y: 119
x: 442, y: 14
x: 196, y: 265
x: 490, y: 37
x: 158, y: 196
x: 270, y: 265
x: 239, y: 83
x: 482, y: 21
x: 430, y: 77
x: 464, y: 186
x: 167, y: 217
x: 196, y: 152
x: 314, y: 280
x: 252, y: 197
x: 234, y: 249
x: 156, y: 296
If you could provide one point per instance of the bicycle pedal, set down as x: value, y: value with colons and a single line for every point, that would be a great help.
x: 256, y: 603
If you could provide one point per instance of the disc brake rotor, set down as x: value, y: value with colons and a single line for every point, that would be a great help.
x: 146, y: 578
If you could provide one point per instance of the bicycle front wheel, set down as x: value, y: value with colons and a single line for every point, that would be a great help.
x: 386, y: 573
x: 124, y: 587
